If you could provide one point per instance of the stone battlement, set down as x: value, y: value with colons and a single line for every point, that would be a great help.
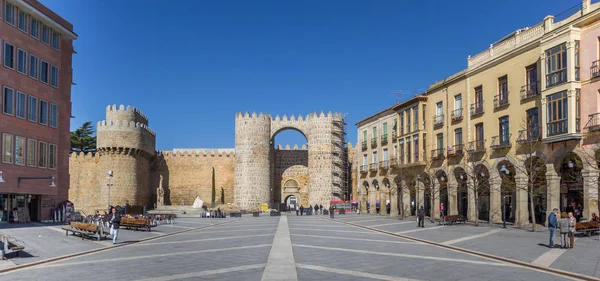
x: 292, y: 118
x: 84, y: 156
x: 227, y: 152
x: 125, y: 134
x: 288, y: 147
x: 125, y: 125
x: 129, y: 113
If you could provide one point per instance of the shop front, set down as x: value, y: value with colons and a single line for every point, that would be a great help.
x: 16, y: 207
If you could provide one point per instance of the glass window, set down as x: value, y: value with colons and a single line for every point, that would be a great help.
x: 44, y: 71
x: 32, y: 109
x: 401, y: 123
x: 33, y: 66
x: 503, y: 89
x: 54, y: 76
x: 55, y: 40
x: 440, y: 141
x: 21, y: 61
x: 556, y: 65
x: 578, y: 110
x: 22, y: 21
x: 9, y: 13
x: 34, y: 28
x: 53, y: 118
x: 504, y: 130
x: 408, y: 130
x: 365, y: 136
x: 31, y: 149
x: 7, y: 148
x: 43, y: 112
x: 385, y: 129
x: 9, y: 55
x: 439, y: 113
x: 577, y: 66
x: 416, y: 117
x: 42, y: 154
x: 19, y: 150
x: 8, y: 101
x: 20, y: 106
x: 51, y: 156
x: 479, y: 132
x: 458, y: 136
x: 408, y: 150
x: 416, y: 143
x: 557, y: 107
x: 374, y: 136
x: 45, y: 34
x: 374, y: 156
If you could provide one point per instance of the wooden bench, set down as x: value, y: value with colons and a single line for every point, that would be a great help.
x: 86, y: 230
x: 131, y: 223
x: 454, y: 219
x: 10, y: 245
x: 586, y: 227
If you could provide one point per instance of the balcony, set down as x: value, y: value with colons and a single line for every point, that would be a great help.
x: 373, y: 142
x: 384, y: 165
x: 477, y: 146
x: 556, y: 78
x: 457, y: 115
x: 501, y: 100
x: 457, y: 150
x: 438, y: 120
x: 476, y: 108
x: 530, y: 90
x: 502, y: 141
x: 557, y: 128
x: 528, y: 136
x: 593, y: 123
x: 594, y: 70
x: 394, y: 163
x: 364, y: 168
x: 373, y: 167
x: 364, y: 145
x: 384, y: 139
x: 437, y: 153
x: 394, y: 135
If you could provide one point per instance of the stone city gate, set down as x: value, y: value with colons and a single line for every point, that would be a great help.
x: 255, y: 157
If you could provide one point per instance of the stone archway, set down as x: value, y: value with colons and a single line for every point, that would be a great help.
x: 535, y: 167
x: 572, y: 195
x: 374, y: 202
x: 385, y: 197
x: 291, y: 188
x: 482, y: 192
x: 442, y: 179
x: 508, y: 191
x: 364, y: 198
x: 462, y: 192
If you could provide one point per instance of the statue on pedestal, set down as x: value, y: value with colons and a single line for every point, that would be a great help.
x: 160, y: 193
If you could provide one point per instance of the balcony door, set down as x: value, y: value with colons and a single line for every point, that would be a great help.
x: 533, y: 129
x: 531, y: 79
x: 504, y: 130
x: 479, y: 136
x: 438, y: 113
x: 457, y: 106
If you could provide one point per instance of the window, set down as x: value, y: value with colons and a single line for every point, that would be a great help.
x: 557, y: 105
x: 21, y: 61
x: 439, y: 113
x: 577, y: 66
x: 408, y: 150
x: 20, y: 106
x: 53, y: 118
x: 408, y: 121
x: 502, y: 91
x: 42, y: 154
x: 365, y: 163
x: 385, y: 155
x: 401, y: 123
x: 45, y: 34
x: 34, y: 28
x: 33, y: 66
x: 416, y: 118
x: 385, y: 131
x: 7, y: 148
x: 44, y: 72
x: 8, y: 101
x: 23, y: 21
x: 458, y: 106
x: 51, y: 156
x: 395, y: 128
x: 32, y: 109
x: 504, y: 130
x: 416, y: 143
x: 31, y: 146
x: 43, y: 112
x: 458, y: 139
x: 556, y: 65
x: 401, y: 158
x: 54, y: 76
x: 423, y: 118
x: 9, y: 13
x: 531, y: 89
x: 479, y: 96
x: 479, y: 133
x: 55, y: 40
x: 19, y: 150
x: 578, y: 110
x: 365, y: 138
x: 9, y: 55
x: 440, y: 142
x: 374, y: 136
x: 533, y: 124
x: 374, y: 157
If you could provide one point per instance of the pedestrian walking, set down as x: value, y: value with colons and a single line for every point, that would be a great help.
x: 552, y: 226
x: 563, y: 226
x: 321, y: 208
x: 115, y: 220
x: 443, y: 221
x: 316, y: 209
x: 572, y: 222
x: 310, y: 208
x: 301, y: 210
x: 421, y: 217
x: 297, y: 210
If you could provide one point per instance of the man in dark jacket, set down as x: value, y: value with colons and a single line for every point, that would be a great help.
x: 321, y: 208
x: 421, y: 217
x: 301, y: 210
x: 115, y: 220
x: 552, y: 225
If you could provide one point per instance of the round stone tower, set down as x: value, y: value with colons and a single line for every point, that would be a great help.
x: 252, y: 160
x: 126, y: 146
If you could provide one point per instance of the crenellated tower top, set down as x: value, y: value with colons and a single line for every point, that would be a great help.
x: 125, y: 113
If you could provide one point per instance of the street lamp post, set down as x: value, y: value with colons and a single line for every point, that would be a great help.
x: 108, y: 178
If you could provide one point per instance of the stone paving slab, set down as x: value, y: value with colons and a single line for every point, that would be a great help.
x: 447, y: 233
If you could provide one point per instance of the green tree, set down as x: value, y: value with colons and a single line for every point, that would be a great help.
x: 83, y: 139
x: 214, y: 192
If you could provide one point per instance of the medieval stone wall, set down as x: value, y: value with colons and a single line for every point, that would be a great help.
x: 291, y: 164
x: 84, y: 191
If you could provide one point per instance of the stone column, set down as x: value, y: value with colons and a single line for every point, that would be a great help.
x: 394, y: 200
x: 382, y: 197
x: 471, y: 215
x: 495, y: 198
x: 590, y: 193
x: 373, y: 200
x: 553, y: 189
x: 522, y: 213
x: 363, y: 198
x: 452, y: 208
x: 436, y: 197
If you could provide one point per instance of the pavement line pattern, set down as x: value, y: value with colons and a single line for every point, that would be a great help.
x: 361, y: 219
x: 281, y: 264
x: 420, y: 229
x: 154, y: 256
x: 392, y: 223
x: 353, y: 273
x: 466, y: 238
x: 332, y: 230
x: 406, y: 255
x: 237, y: 230
x: 204, y: 273
x: 199, y: 240
x: 180, y: 226
x: 549, y: 257
x: 358, y: 239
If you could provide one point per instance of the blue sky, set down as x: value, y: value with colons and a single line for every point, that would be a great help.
x: 191, y: 65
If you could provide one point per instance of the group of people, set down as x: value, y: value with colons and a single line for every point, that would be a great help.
x: 113, y: 220
x: 566, y: 228
x: 300, y: 210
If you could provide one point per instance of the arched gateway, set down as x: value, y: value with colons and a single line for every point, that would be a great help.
x: 255, y: 163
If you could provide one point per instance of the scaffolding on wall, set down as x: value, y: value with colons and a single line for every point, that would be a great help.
x: 341, y: 166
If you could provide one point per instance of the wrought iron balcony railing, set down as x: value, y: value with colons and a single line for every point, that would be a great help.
x: 593, y: 123
x: 438, y: 120
x: 476, y: 146
x: 384, y: 139
x: 394, y: 135
x: 528, y: 136
x: 594, y: 70
x: 457, y: 114
x: 374, y: 142
x: 477, y: 108
x: 385, y: 164
x: 557, y: 128
x: 364, y: 145
x: 556, y: 78
x: 373, y: 167
x: 501, y: 100
x: 456, y: 150
x: 394, y: 163
x: 530, y: 90
x: 501, y: 141
x: 437, y: 153
x: 364, y: 168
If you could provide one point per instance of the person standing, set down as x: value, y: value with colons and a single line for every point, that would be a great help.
x: 421, y: 217
x: 443, y: 221
x: 321, y: 208
x: 316, y: 209
x: 563, y: 225
x: 115, y: 220
x: 552, y: 226
x: 297, y: 210
x: 572, y: 222
x: 301, y: 210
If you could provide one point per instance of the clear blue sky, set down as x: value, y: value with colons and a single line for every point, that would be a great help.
x: 191, y: 65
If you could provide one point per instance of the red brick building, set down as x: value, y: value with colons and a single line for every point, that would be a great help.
x: 35, y: 108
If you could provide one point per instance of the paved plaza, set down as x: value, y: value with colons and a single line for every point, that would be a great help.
x: 297, y: 248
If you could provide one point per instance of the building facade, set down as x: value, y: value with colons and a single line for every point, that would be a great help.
x: 36, y: 79
x: 505, y: 139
